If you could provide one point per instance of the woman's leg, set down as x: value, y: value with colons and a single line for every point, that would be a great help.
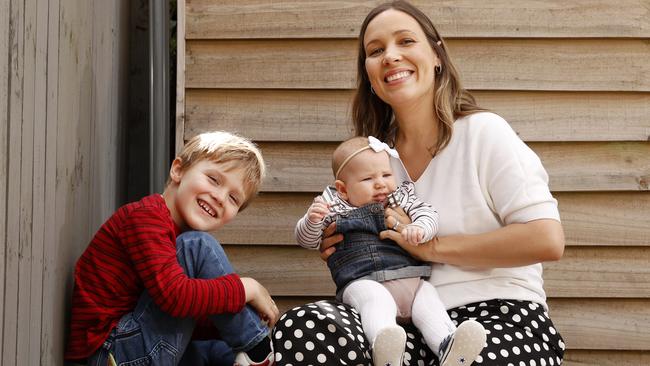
x: 518, y: 332
x: 321, y: 333
x: 330, y: 333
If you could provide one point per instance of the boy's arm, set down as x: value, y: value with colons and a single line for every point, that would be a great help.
x: 151, y: 245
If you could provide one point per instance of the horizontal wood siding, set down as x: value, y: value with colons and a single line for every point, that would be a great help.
x: 241, y: 19
x: 323, y: 115
x: 572, y: 79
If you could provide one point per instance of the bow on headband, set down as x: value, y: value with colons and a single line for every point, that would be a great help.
x: 378, y: 146
x: 375, y: 145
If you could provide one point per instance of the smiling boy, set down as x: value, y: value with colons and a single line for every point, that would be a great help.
x: 152, y: 269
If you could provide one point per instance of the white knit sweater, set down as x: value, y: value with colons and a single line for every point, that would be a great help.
x: 484, y: 179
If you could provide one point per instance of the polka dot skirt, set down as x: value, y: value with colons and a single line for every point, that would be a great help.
x: 520, y: 333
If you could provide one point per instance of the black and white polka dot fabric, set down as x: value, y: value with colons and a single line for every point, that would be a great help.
x: 520, y: 333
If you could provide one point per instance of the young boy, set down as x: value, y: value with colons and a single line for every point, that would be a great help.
x: 152, y: 270
x: 377, y: 277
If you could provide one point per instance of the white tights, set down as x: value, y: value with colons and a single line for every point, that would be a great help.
x: 378, y: 311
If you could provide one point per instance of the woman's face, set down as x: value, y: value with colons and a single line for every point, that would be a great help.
x: 399, y: 60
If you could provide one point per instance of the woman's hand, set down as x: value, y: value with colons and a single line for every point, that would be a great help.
x: 394, y: 215
x: 329, y: 240
x: 396, y: 220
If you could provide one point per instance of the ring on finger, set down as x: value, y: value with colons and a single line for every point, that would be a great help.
x: 396, y: 225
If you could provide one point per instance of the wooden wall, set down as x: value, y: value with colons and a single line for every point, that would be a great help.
x: 572, y: 78
x: 61, y: 99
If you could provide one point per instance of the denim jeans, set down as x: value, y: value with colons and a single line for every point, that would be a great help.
x: 363, y: 255
x: 149, y: 336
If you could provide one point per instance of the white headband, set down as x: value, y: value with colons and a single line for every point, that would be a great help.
x: 375, y: 145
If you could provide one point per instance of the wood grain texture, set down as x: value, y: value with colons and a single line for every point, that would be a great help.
x: 588, y: 272
x: 5, y: 98
x: 572, y: 166
x: 469, y: 18
x: 51, y: 345
x: 595, y: 327
x: 324, y: 115
x: 603, y: 323
x: 539, y: 64
x: 589, y: 219
x: 12, y: 247
x: 575, y: 357
x: 606, y: 272
x: 38, y: 241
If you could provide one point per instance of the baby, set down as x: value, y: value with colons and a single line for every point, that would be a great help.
x: 377, y: 277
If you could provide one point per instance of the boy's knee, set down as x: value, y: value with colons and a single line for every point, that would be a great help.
x: 198, y: 241
x: 201, y: 255
x: 196, y: 238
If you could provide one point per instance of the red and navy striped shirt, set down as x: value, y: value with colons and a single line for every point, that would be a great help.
x: 135, y: 250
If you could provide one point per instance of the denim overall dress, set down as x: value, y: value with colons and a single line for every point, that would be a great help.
x: 362, y: 255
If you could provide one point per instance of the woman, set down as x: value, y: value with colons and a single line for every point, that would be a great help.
x: 498, y: 220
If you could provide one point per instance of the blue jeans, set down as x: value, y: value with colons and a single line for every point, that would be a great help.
x: 363, y: 255
x: 149, y: 336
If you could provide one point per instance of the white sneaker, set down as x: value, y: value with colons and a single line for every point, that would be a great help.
x: 388, y: 348
x: 465, y: 344
x: 242, y: 359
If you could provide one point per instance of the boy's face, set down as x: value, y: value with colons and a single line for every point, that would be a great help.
x: 208, y: 194
x: 367, y: 178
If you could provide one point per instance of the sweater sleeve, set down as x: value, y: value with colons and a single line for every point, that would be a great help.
x: 151, y: 244
x: 514, y: 181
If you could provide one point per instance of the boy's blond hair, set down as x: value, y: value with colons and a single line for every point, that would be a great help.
x: 225, y: 147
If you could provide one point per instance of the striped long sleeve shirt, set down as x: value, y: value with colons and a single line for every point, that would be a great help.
x: 134, y: 251
x: 308, y: 234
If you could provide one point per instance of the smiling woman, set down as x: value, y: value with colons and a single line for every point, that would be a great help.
x: 498, y: 221
x: 398, y: 55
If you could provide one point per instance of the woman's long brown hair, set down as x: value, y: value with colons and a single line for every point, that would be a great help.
x: 371, y: 116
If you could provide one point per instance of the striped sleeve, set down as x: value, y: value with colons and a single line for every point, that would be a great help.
x: 151, y: 245
x: 308, y: 234
x: 421, y: 213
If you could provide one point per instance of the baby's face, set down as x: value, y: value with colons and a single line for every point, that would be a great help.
x: 368, y: 178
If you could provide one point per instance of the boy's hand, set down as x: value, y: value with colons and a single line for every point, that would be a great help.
x: 413, y: 234
x: 258, y: 297
x: 318, y: 210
